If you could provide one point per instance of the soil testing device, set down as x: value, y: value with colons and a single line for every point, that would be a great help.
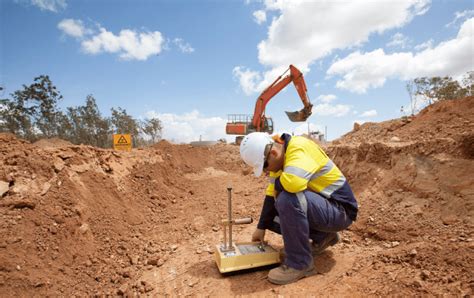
x: 232, y: 256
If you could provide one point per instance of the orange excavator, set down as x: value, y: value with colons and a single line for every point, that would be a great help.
x: 239, y: 124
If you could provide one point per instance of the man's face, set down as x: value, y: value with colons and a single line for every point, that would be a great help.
x: 272, y: 158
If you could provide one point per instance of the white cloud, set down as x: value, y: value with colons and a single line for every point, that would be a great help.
x: 325, y: 109
x: 361, y: 71
x: 188, y: 127
x: 460, y: 15
x: 305, y: 31
x: 248, y: 79
x: 51, y: 5
x: 327, y: 98
x: 399, y: 40
x: 308, y: 30
x: 425, y: 45
x: 183, y: 46
x: 130, y: 45
x: 71, y: 27
x: 369, y: 113
x: 260, y: 16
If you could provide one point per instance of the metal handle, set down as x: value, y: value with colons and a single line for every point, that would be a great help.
x: 242, y: 221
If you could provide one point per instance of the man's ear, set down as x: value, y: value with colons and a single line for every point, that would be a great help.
x: 274, y: 151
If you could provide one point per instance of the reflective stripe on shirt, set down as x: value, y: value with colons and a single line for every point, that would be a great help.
x: 298, y: 172
x: 327, y: 192
x: 323, y: 171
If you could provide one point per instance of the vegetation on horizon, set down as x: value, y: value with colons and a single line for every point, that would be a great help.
x: 33, y: 113
x: 427, y: 91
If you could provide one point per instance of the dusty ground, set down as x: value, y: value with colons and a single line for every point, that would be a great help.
x: 84, y: 221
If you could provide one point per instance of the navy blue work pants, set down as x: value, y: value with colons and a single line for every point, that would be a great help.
x: 297, y: 225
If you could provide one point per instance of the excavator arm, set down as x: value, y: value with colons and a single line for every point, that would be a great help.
x: 281, y: 82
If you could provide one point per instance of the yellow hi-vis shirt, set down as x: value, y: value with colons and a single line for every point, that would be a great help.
x: 306, y: 165
x: 271, y: 183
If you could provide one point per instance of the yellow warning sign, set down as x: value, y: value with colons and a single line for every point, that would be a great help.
x: 123, y: 142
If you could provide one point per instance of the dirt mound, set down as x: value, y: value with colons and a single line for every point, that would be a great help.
x: 444, y: 120
x: 78, y: 220
x: 97, y: 215
x: 414, y: 180
x: 52, y: 143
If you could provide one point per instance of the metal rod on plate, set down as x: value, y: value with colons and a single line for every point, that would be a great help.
x: 225, y: 236
x: 229, y: 209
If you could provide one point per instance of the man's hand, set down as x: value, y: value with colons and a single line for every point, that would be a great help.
x: 258, y: 235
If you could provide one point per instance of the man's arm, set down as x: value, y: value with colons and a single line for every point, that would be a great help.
x: 268, y: 213
x: 267, y: 216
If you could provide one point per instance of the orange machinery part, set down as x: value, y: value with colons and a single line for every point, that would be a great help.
x: 236, y: 128
x: 281, y: 82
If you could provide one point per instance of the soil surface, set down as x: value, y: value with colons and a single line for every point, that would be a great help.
x: 78, y: 220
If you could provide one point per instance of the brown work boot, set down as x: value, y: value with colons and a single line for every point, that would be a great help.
x: 284, y: 275
x: 330, y: 240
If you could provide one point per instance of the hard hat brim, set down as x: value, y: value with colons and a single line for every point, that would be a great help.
x: 257, y: 170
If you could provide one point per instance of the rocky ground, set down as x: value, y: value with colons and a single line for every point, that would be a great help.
x: 78, y: 220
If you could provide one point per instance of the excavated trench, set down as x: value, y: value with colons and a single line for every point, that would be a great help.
x: 77, y: 220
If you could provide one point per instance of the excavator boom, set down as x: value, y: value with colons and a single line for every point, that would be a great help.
x: 280, y: 83
x: 244, y: 124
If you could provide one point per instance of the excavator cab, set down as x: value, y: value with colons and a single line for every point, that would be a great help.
x: 268, y: 126
x: 241, y: 124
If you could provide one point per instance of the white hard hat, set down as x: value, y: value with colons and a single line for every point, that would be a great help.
x: 252, y: 150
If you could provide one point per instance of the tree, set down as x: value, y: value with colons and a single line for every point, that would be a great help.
x: 46, y: 96
x: 16, y: 115
x: 438, y: 88
x: 450, y: 89
x: 33, y: 110
x: 125, y: 124
x: 152, y: 128
x: 468, y: 83
x: 410, y: 89
x: 96, y: 127
x: 88, y: 126
x: 424, y: 87
x: 64, y: 126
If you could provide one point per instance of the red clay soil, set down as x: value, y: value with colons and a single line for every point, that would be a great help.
x: 78, y: 220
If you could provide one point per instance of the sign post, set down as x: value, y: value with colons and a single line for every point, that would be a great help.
x: 123, y: 142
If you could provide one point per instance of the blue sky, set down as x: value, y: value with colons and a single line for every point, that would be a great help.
x: 190, y: 63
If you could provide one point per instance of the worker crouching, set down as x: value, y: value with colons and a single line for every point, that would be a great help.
x: 308, y: 199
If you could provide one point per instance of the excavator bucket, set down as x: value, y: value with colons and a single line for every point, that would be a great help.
x: 299, y: 116
x: 296, y: 116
